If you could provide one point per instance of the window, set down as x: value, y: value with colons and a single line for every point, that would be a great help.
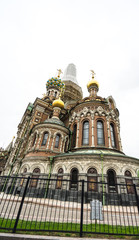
x: 35, y: 176
x: 57, y: 141
x: 85, y: 139
x: 100, y: 133
x: 129, y: 182
x: 112, y: 135
x: 92, y: 179
x: 74, y: 179
x: 112, y: 180
x: 74, y: 136
x: 59, y: 178
x: 45, y: 136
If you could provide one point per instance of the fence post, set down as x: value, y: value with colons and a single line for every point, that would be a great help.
x: 136, y: 195
x: 21, y: 204
x: 82, y: 202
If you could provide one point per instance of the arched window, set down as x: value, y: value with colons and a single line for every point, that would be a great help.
x: 25, y: 170
x: 112, y: 135
x: 74, y: 179
x: 59, y: 178
x: 129, y: 182
x: 112, y: 180
x: 57, y: 141
x: 100, y: 133
x: 35, y: 176
x: 34, y: 140
x: 92, y: 179
x: 45, y: 137
x: 85, y: 138
x: 74, y: 136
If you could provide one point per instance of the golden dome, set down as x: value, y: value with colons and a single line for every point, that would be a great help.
x: 58, y: 103
x: 92, y: 82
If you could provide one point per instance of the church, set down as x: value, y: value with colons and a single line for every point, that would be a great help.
x: 66, y: 136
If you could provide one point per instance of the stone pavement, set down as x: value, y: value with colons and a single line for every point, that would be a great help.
x: 12, y: 236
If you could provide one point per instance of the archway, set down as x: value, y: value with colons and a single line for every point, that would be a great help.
x: 35, y: 176
x: 74, y: 179
x: 92, y: 179
x: 129, y: 182
x: 112, y: 187
x: 59, y: 178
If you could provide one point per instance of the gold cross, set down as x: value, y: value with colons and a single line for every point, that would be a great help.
x: 93, y: 73
x: 59, y: 72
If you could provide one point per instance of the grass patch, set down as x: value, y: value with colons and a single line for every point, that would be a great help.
x: 33, y: 227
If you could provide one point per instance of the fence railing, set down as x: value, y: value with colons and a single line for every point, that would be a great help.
x: 39, y: 204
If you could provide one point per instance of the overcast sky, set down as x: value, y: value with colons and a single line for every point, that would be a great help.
x: 38, y: 37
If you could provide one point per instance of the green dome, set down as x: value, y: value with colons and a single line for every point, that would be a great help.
x: 55, y: 82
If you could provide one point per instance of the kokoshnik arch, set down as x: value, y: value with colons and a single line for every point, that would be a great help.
x: 66, y: 136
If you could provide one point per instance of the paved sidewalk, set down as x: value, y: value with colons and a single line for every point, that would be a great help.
x: 12, y: 236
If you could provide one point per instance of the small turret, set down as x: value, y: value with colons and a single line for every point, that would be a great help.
x: 93, y: 86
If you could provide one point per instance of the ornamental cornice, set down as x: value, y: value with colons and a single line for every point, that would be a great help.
x: 48, y: 127
x: 85, y: 112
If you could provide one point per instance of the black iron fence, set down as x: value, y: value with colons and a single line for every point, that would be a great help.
x: 38, y: 204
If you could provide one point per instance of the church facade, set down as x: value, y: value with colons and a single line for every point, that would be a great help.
x: 66, y: 136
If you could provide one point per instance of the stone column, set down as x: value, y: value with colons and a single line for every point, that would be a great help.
x: 39, y: 137
x: 52, y: 141
x: 93, y: 142
x: 62, y: 140
x: 77, y: 136
x: 48, y: 141
x: 118, y: 134
x: 30, y: 142
x: 108, y: 130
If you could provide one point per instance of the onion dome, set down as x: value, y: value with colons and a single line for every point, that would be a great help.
x: 58, y: 103
x: 55, y: 82
x: 93, y: 82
